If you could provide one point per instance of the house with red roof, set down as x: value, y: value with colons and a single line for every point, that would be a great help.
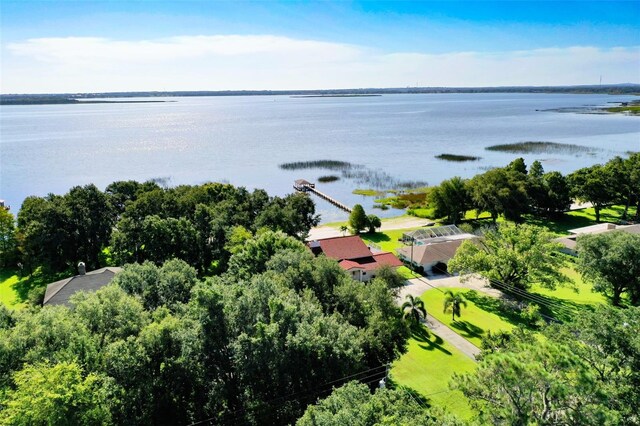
x: 354, y: 256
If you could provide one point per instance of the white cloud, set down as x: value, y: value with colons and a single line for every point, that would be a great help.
x: 219, y: 62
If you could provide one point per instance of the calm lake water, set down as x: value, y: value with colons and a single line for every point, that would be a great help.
x: 241, y: 140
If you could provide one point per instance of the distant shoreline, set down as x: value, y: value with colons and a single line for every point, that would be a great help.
x: 60, y: 101
x: 77, y: 98
x: 352, y: 95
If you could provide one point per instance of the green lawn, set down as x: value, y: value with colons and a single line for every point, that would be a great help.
x: 8, y: 289
x: 14, y: 291
x: 387, y: 240
x: 563, y: 302
x: 427, y: 368
x: 407, y: 273
x: 482, y: 313
x: 579, y: 218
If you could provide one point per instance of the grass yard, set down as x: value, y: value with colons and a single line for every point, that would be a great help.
x: 579, y: 218
x: 14, y: 291
x: 407, y: 273
x: 482, y: 313
x: 9, y: 294
x: 427, y: 368
x: 563, y: 302
x: 387, y: 240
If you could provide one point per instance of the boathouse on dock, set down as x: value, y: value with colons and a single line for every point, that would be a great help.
x: 303, y: 185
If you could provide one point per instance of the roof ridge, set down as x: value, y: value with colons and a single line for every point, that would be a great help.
x: 67, y: 281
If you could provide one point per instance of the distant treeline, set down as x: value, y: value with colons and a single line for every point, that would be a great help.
x: 621, y: 89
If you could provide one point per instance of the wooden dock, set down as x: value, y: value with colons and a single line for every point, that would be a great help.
x: 302, y: 185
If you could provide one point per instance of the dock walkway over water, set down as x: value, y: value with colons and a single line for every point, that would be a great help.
x: 302, y: 185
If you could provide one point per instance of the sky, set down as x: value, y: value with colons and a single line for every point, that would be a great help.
x: 61, y: 46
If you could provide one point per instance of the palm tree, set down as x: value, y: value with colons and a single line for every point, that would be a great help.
x: 453, y: 302
x: 414, y: 308
x: 344, y: 229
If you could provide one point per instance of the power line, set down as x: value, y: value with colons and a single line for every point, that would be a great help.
x: 324, y: 388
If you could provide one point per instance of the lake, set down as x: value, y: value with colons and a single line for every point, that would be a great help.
x: 242, y: 140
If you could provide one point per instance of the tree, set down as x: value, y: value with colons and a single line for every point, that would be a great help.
x: 373, y: 222
x: 90, y: 222
x: 610, y: 261
x: 451, y: 199
x: 536, y: 170
x: 518, y: 165
x: 539, y: 383
x: 633, y: 169
x: 168, y: 285
x: 557, y: 193
x: 513, y: 255
x: 608, y: 341
x: 453, y: 302
x: 7, y: 238
x: 500, y: 191
x: 57, y: 394
x: 593, y: 184
x: 414, y: 309
x: 344, y: 229
x: 357, y: 219
x: 354, y: 404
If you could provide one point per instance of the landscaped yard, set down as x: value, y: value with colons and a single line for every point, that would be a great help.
x: 563, y: 302
x: 387, y: 240
x: 427, y: 368
x: 482, y: 313
x: 579, y: 218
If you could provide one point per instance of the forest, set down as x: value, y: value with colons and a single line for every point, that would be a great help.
x: 221, y: 315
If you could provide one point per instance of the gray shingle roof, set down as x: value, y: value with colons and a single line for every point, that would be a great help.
x: 59, y: 292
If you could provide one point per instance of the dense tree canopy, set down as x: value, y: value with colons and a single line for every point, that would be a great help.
x: 611, y: 262
x: 159, y: 346
x: 8, y: 246
x: 451, y: 199
x: 594, y: 185
x: 585, y: 372
x: 354, y: 404
x: 137, y: 222
x: 513, y: 255
x: 500, y: 191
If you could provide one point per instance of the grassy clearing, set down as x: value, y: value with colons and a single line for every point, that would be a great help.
x: 427, y: 368
x: 482, y: 314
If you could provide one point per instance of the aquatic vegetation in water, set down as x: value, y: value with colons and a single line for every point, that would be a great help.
x: 329, y: 178
x: 531, y: 147
x: 368, y: 192
x: 357, y: 172
x: 319, y: 164
x: 456, y: 157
